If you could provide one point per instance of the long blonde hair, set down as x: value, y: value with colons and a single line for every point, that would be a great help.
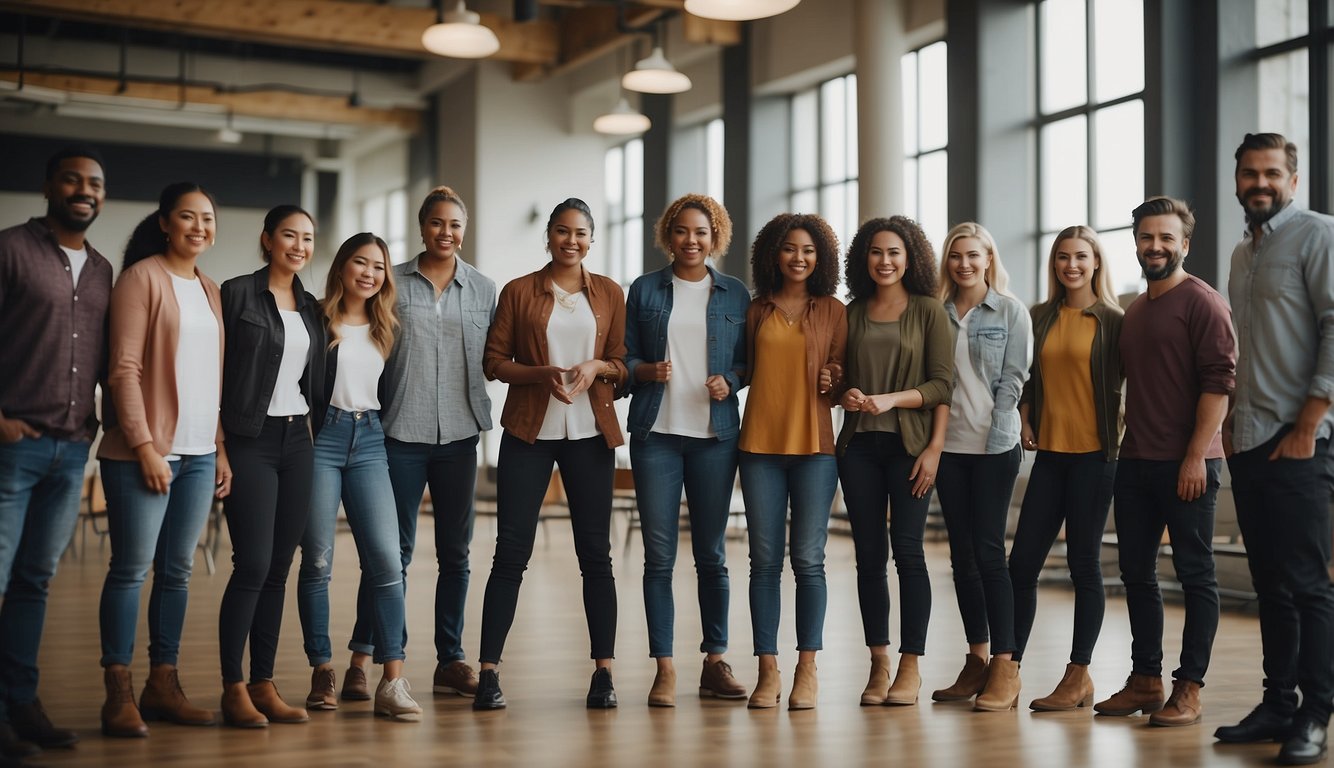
x: 995, y: 275
x: 1102, y: 277
x: 382, y: 308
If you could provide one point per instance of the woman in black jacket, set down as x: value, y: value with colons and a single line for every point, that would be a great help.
x: 272, y: 372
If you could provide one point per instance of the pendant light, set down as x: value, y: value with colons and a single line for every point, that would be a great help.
x: 622, y: 120
x: 738, y: 10
x: 655, y: 75
x: 459, y: 34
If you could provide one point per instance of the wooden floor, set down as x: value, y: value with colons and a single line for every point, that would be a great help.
x: 546, y: 674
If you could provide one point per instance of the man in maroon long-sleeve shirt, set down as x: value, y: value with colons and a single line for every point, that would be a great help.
x: 54, y: 291
x: 1179, y: 355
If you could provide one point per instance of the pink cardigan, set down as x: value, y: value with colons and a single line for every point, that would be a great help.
x: 144, y: 333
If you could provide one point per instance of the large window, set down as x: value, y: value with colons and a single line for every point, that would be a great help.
x: 387, y: 216
x: 1090, y: 127
x: 622, y: 256
x: 824, y: 154
x: 925, y: 132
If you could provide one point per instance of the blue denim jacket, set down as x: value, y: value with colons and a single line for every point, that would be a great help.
x: 1000, y: 346
x: 648, y: 308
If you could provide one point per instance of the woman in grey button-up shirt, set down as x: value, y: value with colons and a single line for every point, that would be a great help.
x: 981, y: 457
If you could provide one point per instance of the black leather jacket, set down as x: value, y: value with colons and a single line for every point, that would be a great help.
x: 254, y: 333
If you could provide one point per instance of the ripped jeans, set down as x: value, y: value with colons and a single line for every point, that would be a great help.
x: 351, y: 466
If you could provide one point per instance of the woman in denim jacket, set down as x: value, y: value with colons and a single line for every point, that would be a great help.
x: 685, y: 347
x: 1070, y: 413
x: 981, y: 459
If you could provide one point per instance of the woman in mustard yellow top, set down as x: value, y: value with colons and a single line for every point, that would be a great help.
x: 1070, y: 413
x: 796, y: 333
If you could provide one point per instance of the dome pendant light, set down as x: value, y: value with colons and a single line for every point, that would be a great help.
x: 655, y: 75
x: 738, y: 10
x: 459, y: 34
x: 622, y: 120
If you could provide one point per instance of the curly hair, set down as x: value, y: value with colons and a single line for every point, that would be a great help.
x: 920, y: 278
x: 719, y: 222
x: 768, y: 245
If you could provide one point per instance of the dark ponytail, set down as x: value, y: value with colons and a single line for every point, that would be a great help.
x: 148, y: 238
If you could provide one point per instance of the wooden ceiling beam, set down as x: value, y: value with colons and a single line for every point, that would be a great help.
x: 273, y: 104
x: 590, y: 33
x: 374, y: 29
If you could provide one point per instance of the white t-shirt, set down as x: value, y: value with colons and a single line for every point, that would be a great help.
x: 287, y: 399
x: 198, y: 380
x: 572, y: 332
x: 972, y: 403
x: 685, y: 401
x: 76, y: 261
x: 357, y: 380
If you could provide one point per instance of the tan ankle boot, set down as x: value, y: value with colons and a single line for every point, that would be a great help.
x: 971, y: 679
x: 663, y: 692
x: 907, y: 682
x: 163, y: 699
x: 767, y: 689
x: 1141, y: 693
x: 877, y: 687
x: 238, y: 710
x: 805, y: 687
x: 1001, y: 692
x: 120, y: 717
x: 1074, y: 690
x: 264, y: 695
x: 1183, y: 706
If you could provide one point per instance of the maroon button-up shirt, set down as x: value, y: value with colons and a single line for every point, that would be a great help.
x: 52, y: 332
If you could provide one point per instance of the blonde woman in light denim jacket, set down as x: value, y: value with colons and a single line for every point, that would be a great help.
x: 981, y: 458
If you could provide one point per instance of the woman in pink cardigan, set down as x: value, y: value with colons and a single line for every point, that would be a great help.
x: 162, y: 457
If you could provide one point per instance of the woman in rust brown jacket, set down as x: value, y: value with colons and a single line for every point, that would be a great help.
x: 162, y: 456
x: 558, y: 340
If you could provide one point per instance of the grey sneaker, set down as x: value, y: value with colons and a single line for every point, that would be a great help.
x: 392, y: 700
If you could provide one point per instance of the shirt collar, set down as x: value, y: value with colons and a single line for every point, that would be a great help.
x: 1275, y: 221
x: 459, y: 278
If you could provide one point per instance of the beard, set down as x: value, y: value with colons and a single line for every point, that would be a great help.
x: 62, y: 211
x: 1258, y: 216
x: 1173, y: 263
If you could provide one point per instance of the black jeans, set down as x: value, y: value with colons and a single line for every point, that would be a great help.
x: 1283, y: 512
x: 266, y: 517
x: 1074, y: 490
x: 975, y: 492
x: 523, y: 472
x: 1146, y: 502
x: 874, y: 471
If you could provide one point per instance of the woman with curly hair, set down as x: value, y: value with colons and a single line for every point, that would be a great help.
x: 900, y: 372
x: 794, y: 326
x: 981, y: 458
x: 1070, y: 413
x: 686, y: 351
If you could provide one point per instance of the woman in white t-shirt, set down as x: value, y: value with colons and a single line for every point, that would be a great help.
x: 351, y: 466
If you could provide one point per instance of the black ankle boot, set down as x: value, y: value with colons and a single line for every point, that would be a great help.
x: 488, y: 691
x: 601, y: 694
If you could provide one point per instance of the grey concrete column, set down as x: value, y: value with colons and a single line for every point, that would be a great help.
x: 879, y: 44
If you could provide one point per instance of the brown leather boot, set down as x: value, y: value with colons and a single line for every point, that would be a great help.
x: 1074, y: 690
x: 163, y: 699
x: 1141, y: 693
x: 1183, y: 706
x: 1001, y: 692
x: 972, y: 678
x: 768, y: 689
x: 120, y: 717
x: 877, y: 687
x: 907, y: 682
x: 238, y: 710
x: 663, y: 692
x: 805, y: 687
x: 264, y: 695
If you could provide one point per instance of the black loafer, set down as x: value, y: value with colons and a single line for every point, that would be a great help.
x: 488, y: 691
x: 1306, y: 745
x: 1264, y: 723
x: 31, y: 724
x: 601, y: 694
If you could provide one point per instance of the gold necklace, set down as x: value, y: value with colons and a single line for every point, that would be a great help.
x: 567, y: 301
x: 791, y: 317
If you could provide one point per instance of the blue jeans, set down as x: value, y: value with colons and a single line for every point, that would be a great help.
x: 706, y: 468
x: 451, y: 471
x: 40, y: 482
x: 351, y: 465
x: 155, y: 529
x: 768, y: 484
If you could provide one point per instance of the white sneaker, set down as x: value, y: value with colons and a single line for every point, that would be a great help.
x: 392, y: 700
